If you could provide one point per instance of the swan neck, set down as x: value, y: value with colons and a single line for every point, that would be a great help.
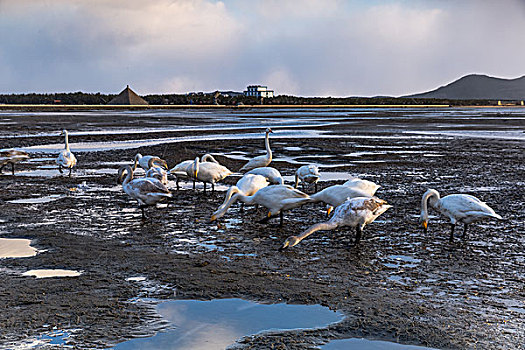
x: 66, y: 140
x: 267, y: 145
x: 430, y: 197
x: 317, y: 227
x: 129, y: 175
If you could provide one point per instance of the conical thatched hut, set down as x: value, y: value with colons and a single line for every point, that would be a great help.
x: 128, y: 97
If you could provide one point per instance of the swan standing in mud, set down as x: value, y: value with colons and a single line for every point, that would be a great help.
x: 66, y: 159
x: 276, y: 198
x: 146, y: 191
x: 354, y: 212
x: 307, y: 174
x: 11, y: 156
x: 248, y: 185
x: 146, y: 162
x: 462, y: 208
x: 208, y: 172
x: 271, y: 174
x: 363, y: 185
x: 336, y: 195
x: 183, y: 169
x: 260, y: 161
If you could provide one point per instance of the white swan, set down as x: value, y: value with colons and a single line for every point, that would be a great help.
x: 336, y: 195
x: 248, y: 185
x: 147, y: 191
x: 146, y: 162
x: 11, y: 156
x: 354, y: 212
x: 181, y: 170
x: 363, y: 185
x: 276, y: 198
x: 462, y: 208
x: 66, y: 159
x: 271, y: 174
x: 307, y: 174
x: 260, y: 161
x: 208, y: 172
x: 158, y: 173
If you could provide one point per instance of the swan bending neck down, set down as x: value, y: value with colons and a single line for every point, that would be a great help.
x: 462, y: 208
x: 66, y: 159
x: 261, y: 161
x: 147, y: 162
x: 307, y: 174
x: 146, y: 191
x: 355, y: 212
x: 276, y: 198
x: 248, y: 185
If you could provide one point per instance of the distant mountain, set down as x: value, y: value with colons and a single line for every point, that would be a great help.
x: 483, y: 87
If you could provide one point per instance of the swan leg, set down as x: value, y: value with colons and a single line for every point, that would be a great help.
x: 2, y: 168
x: 193, y: 183
x: 71, y: 168
x: 242, y: 208
x: 60, y: 169
x: 316, y: 187
x: 204, y: 183
x: 177, y: 182
x: 452, y: 232
x: 143, y: 213
x: 465, y: 231
x: 212, y: 188
x: 358, y: 234
x: 281, y: 218
x: 13, y: 168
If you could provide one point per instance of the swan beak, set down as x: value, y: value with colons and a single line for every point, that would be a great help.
x: 285, y: 246
x: 269, y: 214
x: 425, y: 225
x: 270, y: 130
x: 329, y: 210
x: 213, y: 218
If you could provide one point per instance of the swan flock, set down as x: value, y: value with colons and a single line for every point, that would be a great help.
x: 354, y: 201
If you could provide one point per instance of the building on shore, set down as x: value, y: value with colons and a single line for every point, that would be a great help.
x: 258, y: 91
x: 128, y: 97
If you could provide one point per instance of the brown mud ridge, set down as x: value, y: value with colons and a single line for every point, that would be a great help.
x: 398, y: 284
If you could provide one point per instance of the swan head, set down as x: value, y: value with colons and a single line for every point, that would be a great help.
x: 213, y: 218
x: 290, y: 242
x: 195, y: 168
x: 329, y: 210
x: 126, y: 169
x: 268, y: 130
x: 157, y: 162
x: 64, y: 132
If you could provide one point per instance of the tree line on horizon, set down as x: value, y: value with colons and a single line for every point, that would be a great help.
x: 81, y: 98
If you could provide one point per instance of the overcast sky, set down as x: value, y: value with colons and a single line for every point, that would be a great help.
x: 300, y: 47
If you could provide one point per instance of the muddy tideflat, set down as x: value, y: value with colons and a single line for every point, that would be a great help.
x: 398, y: 285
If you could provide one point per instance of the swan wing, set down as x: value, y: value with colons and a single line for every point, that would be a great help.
x: 461, y: 206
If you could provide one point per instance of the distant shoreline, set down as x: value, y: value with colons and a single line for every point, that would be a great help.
x: 138, y: 107
x: 52, y: 107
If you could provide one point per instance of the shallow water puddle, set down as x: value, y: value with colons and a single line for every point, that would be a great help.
x: 218, y: 323
x: 325, y: 176
x: 47, y: 273
x: 49, y: 340
x: 16, y: 248
x: 365, y: 344
x: 38, y: 200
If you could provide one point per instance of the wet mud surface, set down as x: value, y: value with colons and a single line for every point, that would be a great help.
x: 398, y: 284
